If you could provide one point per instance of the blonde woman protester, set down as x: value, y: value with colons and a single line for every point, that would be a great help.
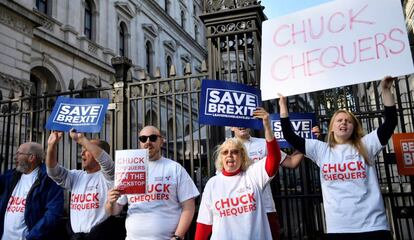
x: 353, y: 203
x: 232, y: 202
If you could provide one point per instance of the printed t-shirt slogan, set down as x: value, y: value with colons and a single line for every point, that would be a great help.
x: 302, y: 124
x: 229, y: 104
x: 131, y: 168
x: 84, y: 115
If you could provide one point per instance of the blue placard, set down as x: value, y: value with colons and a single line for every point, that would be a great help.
x: 82, y: 114
x: 302, y: 124
x: 225, y: 103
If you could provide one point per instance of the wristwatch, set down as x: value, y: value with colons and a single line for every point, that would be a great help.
x: 176, y: 237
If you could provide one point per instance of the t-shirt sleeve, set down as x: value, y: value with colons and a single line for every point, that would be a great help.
x: 205, y: 213
x: 372, y: 144
x: 257, y: 172
x: 283, y: 156
x: 186, y: 189
x: 122, y: 200
x: 62, y: 176
x: 316, y: 150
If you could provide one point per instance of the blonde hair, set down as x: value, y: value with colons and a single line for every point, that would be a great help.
x: 356, y: 135
x: 245, y: 161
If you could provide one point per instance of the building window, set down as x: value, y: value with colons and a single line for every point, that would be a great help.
x: 169, y: 63
x: 88, y: 20
x: 122, y: 39
x: 41, y: 5
x: 148, y: 55
x: 167, y: 6
x: 196, y: 32
x: 182, y: 19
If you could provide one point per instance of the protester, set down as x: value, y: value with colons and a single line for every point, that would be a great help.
x: 256, y: 150
x: 88, y: 187
x: 316, y: 130
x: 352, y: 198
x: 31, y: 204
x: 167, y: 209
x: 231, y: 206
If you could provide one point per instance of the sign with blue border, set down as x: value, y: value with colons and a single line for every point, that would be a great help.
x: 302, y: 124
x: 82, y: 114
x: 225, y: 103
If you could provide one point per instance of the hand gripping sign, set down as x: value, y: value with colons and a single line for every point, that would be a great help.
x: 404, y: 152
x: 302, y: 124
x: 81, y: 114
x: 131, y: 168
x: 225, y: 103
x: 339, y: 43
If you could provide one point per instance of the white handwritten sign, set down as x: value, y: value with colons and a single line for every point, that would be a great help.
x: 339, y: 43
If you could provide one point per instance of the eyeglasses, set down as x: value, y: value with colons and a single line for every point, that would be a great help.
x: 231, y: 151
x: 20, y: 153
x: 152, y: 138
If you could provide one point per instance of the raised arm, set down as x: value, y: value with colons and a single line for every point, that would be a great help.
x: 293, y: 160
x: 56, y: 172
x: 288, y: 133
x: 103, y: 158
x: 386, y: 129
x: 273, y: 150
x: 51, y: 152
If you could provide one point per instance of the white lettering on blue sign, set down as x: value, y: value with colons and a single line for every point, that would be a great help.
x: 229, y: 103
x: 301, y: 127
x: 79, y: 115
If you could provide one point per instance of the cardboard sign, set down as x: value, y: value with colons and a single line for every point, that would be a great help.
x: 404, y: 152
x: 229, y: 104
x: 338, y: 43
x: 82, y: 114
x: 131, y: 168
x: 302, y: 124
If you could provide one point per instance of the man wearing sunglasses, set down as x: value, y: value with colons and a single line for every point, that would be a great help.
x: 256, y: 149
x: 167, y: 209
x: 89, y: 187
x: 31, y: 204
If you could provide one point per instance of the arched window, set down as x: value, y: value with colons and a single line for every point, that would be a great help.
x: 169, y: 63
x: 182, y: 19
x: 87, y: 29
x: 41, y: 5
x: 148, y: 55
x: 122, y: 39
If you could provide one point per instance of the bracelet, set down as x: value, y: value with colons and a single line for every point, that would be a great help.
x: 176, y: 237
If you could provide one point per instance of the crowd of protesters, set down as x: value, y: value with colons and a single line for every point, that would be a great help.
x: 237, y: 202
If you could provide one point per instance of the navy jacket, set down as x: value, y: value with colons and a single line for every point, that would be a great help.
x: 44, y: 204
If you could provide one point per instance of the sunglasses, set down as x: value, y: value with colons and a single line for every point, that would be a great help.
x: 232, y: 152
x: 152, y: 138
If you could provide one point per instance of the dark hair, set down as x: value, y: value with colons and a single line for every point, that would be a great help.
x: 104, y: 145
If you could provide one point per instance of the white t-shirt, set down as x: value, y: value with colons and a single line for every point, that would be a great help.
x: 155, y: 215
x: 257, y: 150
x: 233, y: 205
x: 88, y: 193
x: 350, y: 189
x: 14, y: 225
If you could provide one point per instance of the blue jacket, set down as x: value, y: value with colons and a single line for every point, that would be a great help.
x: 44, y: 204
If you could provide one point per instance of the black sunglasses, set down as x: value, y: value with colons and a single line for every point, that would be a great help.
x: 152, y: 138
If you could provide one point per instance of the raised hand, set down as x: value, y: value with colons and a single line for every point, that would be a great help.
x: 75, y: 135
x: 54, y: 138
x: 387, y: 81
x: 283, y: 106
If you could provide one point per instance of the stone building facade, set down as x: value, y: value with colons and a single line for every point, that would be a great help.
x: 47, y: 43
